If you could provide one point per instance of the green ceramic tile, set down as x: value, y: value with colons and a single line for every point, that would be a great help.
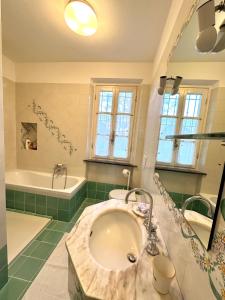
x: 3, y: 276
x: 52, y: 202
x: 52, y: 224
x: 50, y: 236
x: 29, y: 269
x: 64, y: 204
x: 16, y: 264
x: 14, y: 289
x: 28, y: 250
x: 64, y: 215
x: 60, y: 226
x: 30, y: 202
x: 91, y: 194
x: 42, y: 250
x: 109, y: 187
x: 3, y: 256
x: 41, y: 205
x: 91, y: 186
x: 10, y: 201
x: 101, y: 187
x: 52, y: 212
x: 100, y: 195
x: 19, y: 200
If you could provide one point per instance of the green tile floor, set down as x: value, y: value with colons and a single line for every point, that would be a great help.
x: 27, y: 265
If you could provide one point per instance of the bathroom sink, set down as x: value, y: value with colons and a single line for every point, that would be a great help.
x: 200, y: 224
x: 115, y: 239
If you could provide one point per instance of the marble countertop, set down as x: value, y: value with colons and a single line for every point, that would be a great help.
x: 132, y: 283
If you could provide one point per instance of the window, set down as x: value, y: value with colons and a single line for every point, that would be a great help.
x: 182, y: 113
x: 114, y: 111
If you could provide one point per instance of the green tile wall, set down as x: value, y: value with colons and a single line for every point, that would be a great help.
x: 196, y: 206
x: 3, y: 266
x: 58, y: 209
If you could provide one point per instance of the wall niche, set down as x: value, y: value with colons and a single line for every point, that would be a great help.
x: 29, y: 136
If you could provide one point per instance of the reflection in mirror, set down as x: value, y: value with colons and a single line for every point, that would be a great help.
x: 191, y: 170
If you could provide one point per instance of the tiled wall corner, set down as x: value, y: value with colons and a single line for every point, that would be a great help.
x: 3, y: 266
x: 100, y: 191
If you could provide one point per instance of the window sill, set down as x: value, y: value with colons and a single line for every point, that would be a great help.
x: 180, y: 170
x: 109, y: 162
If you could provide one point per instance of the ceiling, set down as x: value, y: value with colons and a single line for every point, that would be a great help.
x: 186, y: 52
x: 129, y: 30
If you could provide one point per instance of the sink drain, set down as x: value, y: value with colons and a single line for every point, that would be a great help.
x: 131, y: 257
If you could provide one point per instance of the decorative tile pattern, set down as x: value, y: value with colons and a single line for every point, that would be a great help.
x: 54, y: 130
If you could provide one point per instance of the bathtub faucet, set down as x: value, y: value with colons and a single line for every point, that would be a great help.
x: 59, y: 169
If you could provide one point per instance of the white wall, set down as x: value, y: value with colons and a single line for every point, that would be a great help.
x: 8, y: 68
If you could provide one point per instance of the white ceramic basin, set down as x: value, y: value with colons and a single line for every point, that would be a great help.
x: 114, y: 234
x: 200, y: 224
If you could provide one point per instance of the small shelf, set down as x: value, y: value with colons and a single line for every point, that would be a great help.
x: 174, y: 169
x: 199, y: 136
x: 110, y: 162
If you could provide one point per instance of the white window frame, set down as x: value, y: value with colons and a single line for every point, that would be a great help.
x: 183, y: 91
x: 115, y: 89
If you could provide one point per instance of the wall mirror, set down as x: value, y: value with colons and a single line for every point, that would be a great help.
x: 194, y: 167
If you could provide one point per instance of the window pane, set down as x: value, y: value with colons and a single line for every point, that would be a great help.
x: 170, y: 104
x: 121, y: 147
x: 125, y: 102
x: 167, y: 127
x: 189, y: 126
x: 165, y: 151
x: 186, y: 152
x: 105, y: 101
x: 122, y: 125
x: 104, y: 124
x: 102, y: 145
x: 192, y: 105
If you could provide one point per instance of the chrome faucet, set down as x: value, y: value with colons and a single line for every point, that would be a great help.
x: 151, y: 247
x: 198, y: 198
x: 59, y: 169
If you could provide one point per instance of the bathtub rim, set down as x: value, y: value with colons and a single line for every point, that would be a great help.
x: 57, y: 193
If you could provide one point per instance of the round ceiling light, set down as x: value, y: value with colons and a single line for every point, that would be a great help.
x: 80, y: 17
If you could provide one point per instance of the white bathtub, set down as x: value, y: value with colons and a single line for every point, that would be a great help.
x: 41, y: 183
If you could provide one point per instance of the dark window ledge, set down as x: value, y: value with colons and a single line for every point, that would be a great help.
x: 110, y: 162
x: 180, y: 170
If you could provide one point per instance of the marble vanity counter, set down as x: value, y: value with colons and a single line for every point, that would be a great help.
x: 97, y: 282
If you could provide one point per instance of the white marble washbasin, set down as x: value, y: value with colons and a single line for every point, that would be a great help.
x: 200, y: 224
x: 115, y: 234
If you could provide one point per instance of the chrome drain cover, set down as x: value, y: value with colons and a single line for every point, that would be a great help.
x: 131, y: 257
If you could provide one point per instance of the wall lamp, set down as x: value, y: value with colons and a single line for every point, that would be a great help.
x: 169, y: 83
x: 209, y: 40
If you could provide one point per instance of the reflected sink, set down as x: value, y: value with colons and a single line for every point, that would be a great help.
x: 200, y: 224
x: 114, y: 235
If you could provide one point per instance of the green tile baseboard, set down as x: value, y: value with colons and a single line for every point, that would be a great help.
x: 57, y: 208
x: 3, y: 266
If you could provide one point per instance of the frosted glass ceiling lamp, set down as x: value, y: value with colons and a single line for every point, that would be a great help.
x: 169, y: 83
x: 220, y: 44
x: 162, y: 85
x: 81, y: 17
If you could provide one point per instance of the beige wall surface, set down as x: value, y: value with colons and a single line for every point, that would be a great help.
x: 67, y: 106
x: 9, y: 107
